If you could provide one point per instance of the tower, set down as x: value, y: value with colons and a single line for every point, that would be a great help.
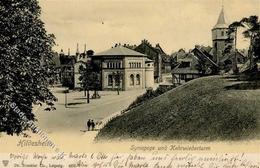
x: 219, y: 37
x: 77, y: 52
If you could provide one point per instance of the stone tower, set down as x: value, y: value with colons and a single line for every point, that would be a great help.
x: 219, y: 36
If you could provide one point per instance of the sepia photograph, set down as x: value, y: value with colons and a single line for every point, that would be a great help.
x: 130, y: 83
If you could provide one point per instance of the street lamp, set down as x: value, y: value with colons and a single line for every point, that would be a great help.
x: 66, y: 91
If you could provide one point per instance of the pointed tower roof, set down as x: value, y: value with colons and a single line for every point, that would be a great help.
x: 222, y: 21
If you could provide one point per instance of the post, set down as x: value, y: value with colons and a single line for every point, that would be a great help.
x: 235, y: 69
x: 65, y: 99
x: 87, y: 95
x: 251, y: 54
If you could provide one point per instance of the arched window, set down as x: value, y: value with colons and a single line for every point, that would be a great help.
x: 222, y: 33
x: 110, y: 80
x: 132, y: 80
x: 138, y: 80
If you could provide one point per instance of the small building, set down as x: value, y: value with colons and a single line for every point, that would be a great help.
x: 194, y: 64
x: 124, y: 69
x: 186, y: 69
x: 227, y: 61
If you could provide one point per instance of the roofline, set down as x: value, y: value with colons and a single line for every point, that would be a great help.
x: 186, y: 73
x: 215, y: 28
x: 120, y: 55
x: 150, y: 46
x: 205, y: 56
x: 121, y: 52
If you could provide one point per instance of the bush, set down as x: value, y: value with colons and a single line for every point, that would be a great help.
x: 148, y: 95
x: 68, y: 83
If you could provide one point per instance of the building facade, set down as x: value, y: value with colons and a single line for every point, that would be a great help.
x: 124, y: 69
x: 67, y: 62
x: 161, y: 59
x: 193, y: 64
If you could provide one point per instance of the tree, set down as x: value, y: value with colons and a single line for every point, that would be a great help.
x: 90, y: 53
x: 252, y: 26
x: 25, y: 56
x: 90, y: 78
x: 231, y: 41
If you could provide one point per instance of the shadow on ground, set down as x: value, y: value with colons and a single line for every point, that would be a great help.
x: 252, y: 85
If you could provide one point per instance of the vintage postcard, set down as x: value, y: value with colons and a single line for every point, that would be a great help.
x: 129, y: 83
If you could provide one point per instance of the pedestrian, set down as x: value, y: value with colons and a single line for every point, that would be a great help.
x: 92, y: 125
x: 88, y: 124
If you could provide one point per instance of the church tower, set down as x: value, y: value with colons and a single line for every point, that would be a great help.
x: 219, y: 36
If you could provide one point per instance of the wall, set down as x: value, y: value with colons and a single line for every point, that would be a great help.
x: 218, y: 38
x: 77, y: 74
x: 149, y: 75
x: 134, y: 70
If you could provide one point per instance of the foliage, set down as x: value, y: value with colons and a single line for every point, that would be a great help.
x: 252, y: 26
x: 148, y: 95
x: 68, y: 82
x: 90, y: 53
x: 90, y: 76
x: 25, y: 59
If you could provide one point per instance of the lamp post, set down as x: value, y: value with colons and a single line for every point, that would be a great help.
x: 66, y: 101
x: 87, y: 95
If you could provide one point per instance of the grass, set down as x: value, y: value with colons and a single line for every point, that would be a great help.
x: 203, y: 109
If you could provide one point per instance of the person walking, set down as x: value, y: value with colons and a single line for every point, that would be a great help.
x: 93, y: 125
x: 89, y: 124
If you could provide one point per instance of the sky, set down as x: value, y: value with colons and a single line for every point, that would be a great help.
x: 174, y: 24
